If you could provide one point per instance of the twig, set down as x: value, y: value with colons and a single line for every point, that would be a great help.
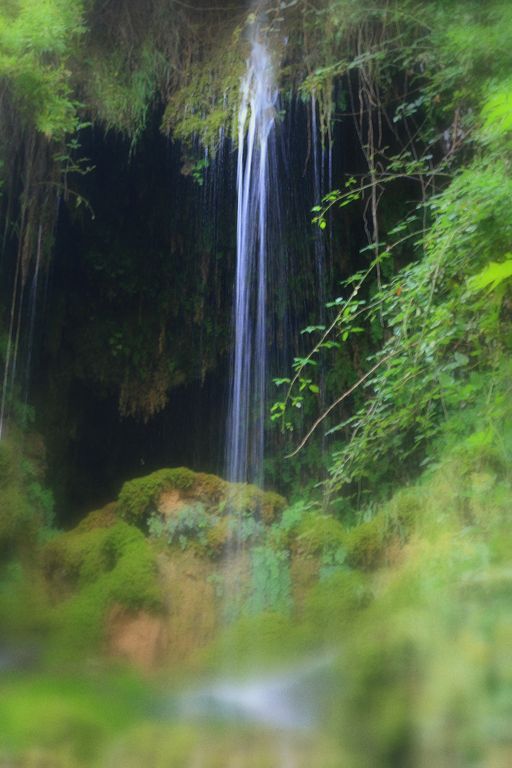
x: 338, y: 401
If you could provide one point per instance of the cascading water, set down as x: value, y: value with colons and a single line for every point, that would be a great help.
x: 256, y: 157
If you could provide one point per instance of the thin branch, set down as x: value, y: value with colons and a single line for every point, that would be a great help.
x: 338, y: 401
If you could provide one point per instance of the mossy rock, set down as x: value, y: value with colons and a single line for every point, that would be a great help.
x: 139, y: 498
x: 24, y: 608
x: 89, y: 570
x: 99, y: 518
x: 273, y: 504
x: 209, y: 489
x: 80, y: 557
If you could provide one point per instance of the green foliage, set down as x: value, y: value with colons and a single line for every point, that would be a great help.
x: 190, y: 523
x: 270, y: 588
x: 366, y: 543
x: 440, y: 331
x: 15, y: 518
x: 253, y: 640
x: 36, y: 43
x: 283, y: 532
x: 496, y: 114
x: 122, y: 95
x: 26, y: 505
x: 493, y: 274
x: 205, y: 106
x: 319, y: 534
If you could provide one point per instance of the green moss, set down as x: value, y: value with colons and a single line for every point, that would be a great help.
x: 207, y: 101
x: 138, y: 497
x: 90, y: 570
x: 99, y: 518
x: 209, y: 489
x: 273, y: 504
x: 67, y: 722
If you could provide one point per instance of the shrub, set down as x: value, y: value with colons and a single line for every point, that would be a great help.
x: 270, y: 588
x: 366, y: 542
x: 404, y: 510
x: 191, y: 523
x: 318, y: 534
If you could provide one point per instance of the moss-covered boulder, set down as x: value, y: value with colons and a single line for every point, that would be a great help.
x: 167, y: 491
x: 91, y: 569
x: 151, y: 557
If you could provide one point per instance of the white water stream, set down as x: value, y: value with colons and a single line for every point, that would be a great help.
x: 256, y: 145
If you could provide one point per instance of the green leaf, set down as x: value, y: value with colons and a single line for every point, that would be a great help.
x: 492, y: 275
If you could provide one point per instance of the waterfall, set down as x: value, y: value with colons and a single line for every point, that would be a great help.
x: 256, y: 154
